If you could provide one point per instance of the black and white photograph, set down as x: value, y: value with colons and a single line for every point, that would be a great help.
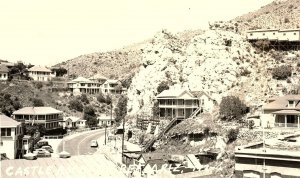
x: 150, y: 88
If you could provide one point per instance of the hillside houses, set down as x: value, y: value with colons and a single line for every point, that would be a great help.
x: 3, y: 72
x: 40, y: 73
x: 292, y: 35
x: 83, y: 85
x: 10, y: 131
x: 282, y: 112
x: 113, y: 87
x: 181, y: 104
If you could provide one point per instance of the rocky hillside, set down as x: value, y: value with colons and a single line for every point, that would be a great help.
x: 280, y: 14
x: 216, y: 61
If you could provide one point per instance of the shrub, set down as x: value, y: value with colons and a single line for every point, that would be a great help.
x: 84, y: 99
x: 162, y: 86
x: 231, y: 107
x: 155, y: 109
x: 90, y: 116
x: 286, y: 20
x: 76, y: 105
x: 251, y: 124
x: 262, y: 44
x: 232, y: 135
x: 36, y: 102
x: 282, y: 72
x: 38, y: 85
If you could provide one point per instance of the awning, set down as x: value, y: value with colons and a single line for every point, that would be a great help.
x: 291, y: 112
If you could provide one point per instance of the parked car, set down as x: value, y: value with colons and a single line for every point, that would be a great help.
x: 30, y: 156
x: 94, y: 143
x: 64, y: 154
x: 41, y: 152
x: 42, y: 143
x: 48, y: 148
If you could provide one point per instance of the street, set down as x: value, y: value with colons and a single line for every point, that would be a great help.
x: 80, y: 145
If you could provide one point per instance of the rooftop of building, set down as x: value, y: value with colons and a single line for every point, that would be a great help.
x: 284, y: 147
x: 7, y: 122
x: 39, y: 69
x: 282, y: 102
x: 36, y: 111
x: 73, y: 118
x: 81, y: 80
x: 3, y: 68
x: 175, y: 93
x: 104, y: 117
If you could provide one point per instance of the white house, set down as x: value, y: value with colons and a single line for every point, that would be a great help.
x: 83, y: 85
x: 113, y: 87
x: 105, y: 120
x: 283, y: 112
x: 3, y: 72
x: 47, y: 116
x: 74, y: 122
x: 98, y: 78
x: 40, y: 73
x: 10, y: 131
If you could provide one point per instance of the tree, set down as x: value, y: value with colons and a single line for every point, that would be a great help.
x: 38, y: 85
x: 282, y: 72
x: 263, y: 44
x: 104, y: 98
x: 76, y: 105
x: 19, y: 70
x: 36, y: 102
x: 90, y: 116
x: 231, y: 107
x: 84, y: 99
x: 121, y: 108
x: 60, y: 71
x: 162, y: 86
x: 8, y: 103
x: 155, y: 109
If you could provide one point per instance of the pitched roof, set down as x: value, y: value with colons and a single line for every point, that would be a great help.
x: 112, y: 81
x: 3, y: 68
x: 282, y: 102
x: 198, y: 94
x: 174, y: 94
x: 39, y: 69
x: 153, y: 156
x: 73, y: 119
x: 37, y: 111
x: 7, y: 121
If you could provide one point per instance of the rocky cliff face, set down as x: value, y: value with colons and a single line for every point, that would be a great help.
x: 215, y: 61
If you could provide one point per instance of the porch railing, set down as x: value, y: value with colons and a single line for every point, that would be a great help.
x: 287, y: 125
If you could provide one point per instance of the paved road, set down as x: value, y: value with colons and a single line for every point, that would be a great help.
x: 80, y: 145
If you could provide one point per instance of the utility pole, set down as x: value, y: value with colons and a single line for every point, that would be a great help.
x: 105, y: 134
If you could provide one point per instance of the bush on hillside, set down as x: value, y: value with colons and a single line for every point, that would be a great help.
x: 263, y: 44
x: 37, y: 102
x: 39, y: 85
x: 8, y: 104
x: 282, y: 72
x: 155, y: 109
x: 231, y: 107
x: 104, y: 98
x: 232, y: 135
x: 162, y: 86
x: 84, y: 99
x: 76, y: 105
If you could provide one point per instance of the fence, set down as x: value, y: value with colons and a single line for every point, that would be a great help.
x: 70, y: 133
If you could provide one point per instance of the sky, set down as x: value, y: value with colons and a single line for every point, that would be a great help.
x: 46, y: 32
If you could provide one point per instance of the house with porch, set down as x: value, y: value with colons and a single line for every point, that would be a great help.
x: 47, y: 116
x: 105, y: 120
x: 3, y: 72
x: 112, y: 87
x: 283, y: 112
x: 40, y: 73
x: 10, y: 140
x: 83, y: 85
x: 73, y: 122
x: 181, y: 104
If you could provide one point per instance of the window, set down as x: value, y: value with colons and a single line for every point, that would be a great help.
x: 294, y: 33
x: 6, y: 132
x: 273, y: 33
x: 284, y: 34
x: 251, y: 34
x: 291, y: 104
x: 263, y: 34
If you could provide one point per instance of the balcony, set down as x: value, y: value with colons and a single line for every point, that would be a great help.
x: 177, y: 106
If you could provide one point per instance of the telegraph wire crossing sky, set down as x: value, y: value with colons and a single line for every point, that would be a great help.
x: 48, y: 32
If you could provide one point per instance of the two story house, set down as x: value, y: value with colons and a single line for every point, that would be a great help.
x: 181, y: 104
x: 3, y: 72
x: 40, y: 73
x: 83, y: 85
x: 283, y: 112
x: 10, y: 141
x: 112, y: 87
x: 47, y: 116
